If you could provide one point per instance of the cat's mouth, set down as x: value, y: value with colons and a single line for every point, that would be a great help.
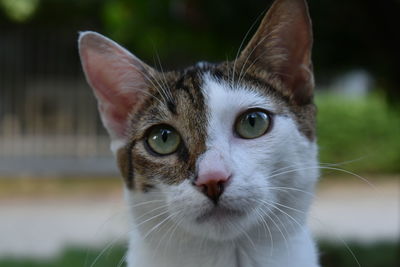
x: 218, y: 213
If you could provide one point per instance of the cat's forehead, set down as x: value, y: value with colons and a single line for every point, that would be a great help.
x: 188, y: 97
x: 206, y: 84
x: 202, y: 104
x: 226, y: 96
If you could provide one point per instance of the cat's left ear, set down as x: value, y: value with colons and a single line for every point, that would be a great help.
x: 282, y: 46
x: 119, y: 80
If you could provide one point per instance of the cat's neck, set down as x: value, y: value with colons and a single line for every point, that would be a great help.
x: 174, y: 247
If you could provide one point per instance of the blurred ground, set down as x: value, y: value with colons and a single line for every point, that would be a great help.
x: 350, y: 209
x: 40, y: 217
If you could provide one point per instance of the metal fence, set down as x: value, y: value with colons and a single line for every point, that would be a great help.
x: 47, y: 111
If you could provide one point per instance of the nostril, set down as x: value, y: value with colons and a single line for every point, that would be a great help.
x: 221, y: 186
x: 204, y: 189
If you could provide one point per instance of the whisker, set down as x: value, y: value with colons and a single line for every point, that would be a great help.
x: 327, y: 168
x: 233, y: 225
x: 340, y: 239
x: 342, y: 162
x: 145, y: 203
x: 351, y: 173
x: 177, y: 224
x: 151, y: 80
x: 319, y: 221
x: 160, y: 223
x: 313, y: 217
x: 301, y: 165
x: 153, y: 217
x: 281, y: 223
x: 164, y: 80
x: 122, y: 260
x: 265, y: 226
x: 151, y: 211
x: 282, y: 188
x: 171, y: 227
x: 277, y: 227
x: 290, y: 208
x: 282, y: 211
x: 241, y: 45
x: 249, y: 55
x: 110, y: 245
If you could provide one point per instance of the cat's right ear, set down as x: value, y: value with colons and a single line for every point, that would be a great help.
x: 119, y: 81
x: 282, y: 46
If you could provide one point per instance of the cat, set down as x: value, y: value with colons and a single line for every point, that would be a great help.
x: 219, y: 160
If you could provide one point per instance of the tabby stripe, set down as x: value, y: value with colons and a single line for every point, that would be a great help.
x: 130, y: 174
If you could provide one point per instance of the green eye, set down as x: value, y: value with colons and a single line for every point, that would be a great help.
x: 252, y: 124
x: 163, y: 139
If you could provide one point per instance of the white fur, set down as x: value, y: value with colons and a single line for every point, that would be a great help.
x: 166, y: 230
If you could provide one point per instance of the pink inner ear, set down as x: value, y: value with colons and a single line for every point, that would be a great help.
x: 114, y: 119
x: 297, y: 41
x: 117, y: 81
x: 282, y: 45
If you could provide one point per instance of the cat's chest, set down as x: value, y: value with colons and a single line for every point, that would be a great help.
x: 297, y: 250
x: 195, y: 256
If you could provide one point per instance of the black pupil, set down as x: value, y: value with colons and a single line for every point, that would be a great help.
x: 252, y: 119
x: 164, y: 135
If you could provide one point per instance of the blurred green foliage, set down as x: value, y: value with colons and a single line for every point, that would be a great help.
x: 332, y: 255
x: 362, y: 131
x: 180, y: 32
x: 379, y: 254
x: 356, y: 34
x: 72, y: 257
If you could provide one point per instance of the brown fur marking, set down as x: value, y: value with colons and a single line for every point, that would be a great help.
x: 276, y: 62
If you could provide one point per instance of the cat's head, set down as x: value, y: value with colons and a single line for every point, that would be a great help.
x: 220, y: 146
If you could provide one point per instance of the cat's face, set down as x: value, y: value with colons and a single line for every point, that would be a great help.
x: 218, y: 147
x: 213, y: 119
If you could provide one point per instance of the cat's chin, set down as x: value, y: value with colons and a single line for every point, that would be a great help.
x: 219, y: 214
x: 219, y: 223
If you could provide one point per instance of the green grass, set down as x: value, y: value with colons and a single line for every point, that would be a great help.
x: 362, y: 130
x: 370, y: 255
x: 73, y: 257
x: 373, y: 255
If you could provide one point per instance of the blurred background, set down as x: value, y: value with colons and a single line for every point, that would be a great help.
x: 61, y: 198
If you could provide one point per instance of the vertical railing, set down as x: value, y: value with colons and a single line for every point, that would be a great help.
x: 46, y: 108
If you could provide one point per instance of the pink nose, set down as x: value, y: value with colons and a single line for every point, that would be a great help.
x: 212, y: 183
